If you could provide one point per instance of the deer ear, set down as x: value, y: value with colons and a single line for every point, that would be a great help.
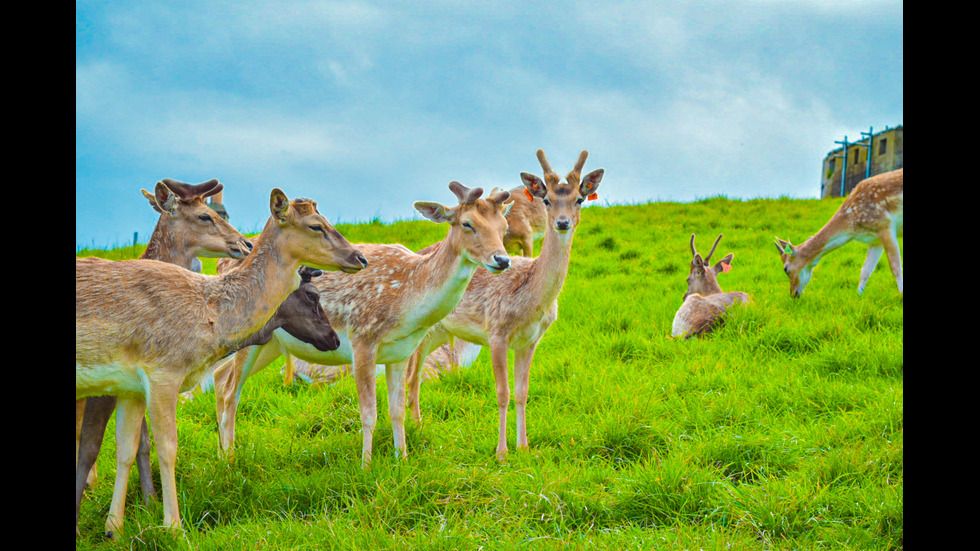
x: 534, y: 185
x: 785, y: 247
x: 152, y: 199
x: 506, y: 208
x: 279, y: 205
x: 166, y: 199
x: 435, y: 212
x: 725, y: 264
x: 591, y: 181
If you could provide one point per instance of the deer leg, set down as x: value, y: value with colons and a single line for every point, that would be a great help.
x: 522, y: 376
x: 143, y: 465
x: 129, y: 415
x: 163, y: 417
x: 874, y: 254
x: 498, y: 357
x: 890, y: 244
x: 395, y: 378
x: 229, y: 379
x: 95, y: 417
x: 413, y: 382
x: 288, y: 370
x: 367, y: 400
x: 79, y: 420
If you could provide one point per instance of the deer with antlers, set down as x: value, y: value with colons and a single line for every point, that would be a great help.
x: 526, y: 221
x: 384, y: 312
x: 147, y: 330
x: 187, y: 228
x: 705, y: 302
x: 512, y: 311
x: 873, y: 214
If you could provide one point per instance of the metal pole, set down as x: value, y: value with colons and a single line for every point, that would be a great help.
x: 843, y: 171
x: 871, y: 141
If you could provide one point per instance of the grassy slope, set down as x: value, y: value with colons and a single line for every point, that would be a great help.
x: 784, y: 430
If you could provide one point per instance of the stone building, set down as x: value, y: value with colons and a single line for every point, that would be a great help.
x: 886, y: 155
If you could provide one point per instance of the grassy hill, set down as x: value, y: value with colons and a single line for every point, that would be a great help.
x: 782, y: 430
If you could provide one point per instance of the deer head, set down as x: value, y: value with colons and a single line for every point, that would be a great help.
x: 703, y: 278
x: 305, y: 232
x: 798, y: 268
x: 187, y: 222
x: 563, y: 201
x: 477, y: 225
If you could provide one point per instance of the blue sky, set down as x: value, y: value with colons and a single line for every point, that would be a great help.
x: 367, y: 106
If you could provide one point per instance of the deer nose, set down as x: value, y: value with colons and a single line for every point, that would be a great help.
x: 503, y: 261
x: 562, y: 224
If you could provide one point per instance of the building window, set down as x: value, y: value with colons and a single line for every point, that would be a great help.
x: 833, y: 165
x: 857, y: 156
x: 882, y: 146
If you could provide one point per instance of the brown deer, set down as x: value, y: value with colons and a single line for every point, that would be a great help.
x: 147, y: 330
x: 513, y: 311
x: 704, y: 302
x: 382, y: 313
x: 187, y: 228
x: 873, y: 214
x: 526, y: 221
x: 300, y: 315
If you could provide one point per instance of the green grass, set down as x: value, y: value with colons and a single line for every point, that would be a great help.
x: 782, y: 430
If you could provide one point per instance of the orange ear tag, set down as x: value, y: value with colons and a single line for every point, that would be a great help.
x: 593, y: 197
x: 725, y: 267
x: 529, y: 196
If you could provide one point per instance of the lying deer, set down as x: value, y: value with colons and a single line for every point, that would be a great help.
x: 873, y: 214
x: 513, y: 311
x: 300, y: 315
x: 187, y: 228
x: 147, y: 330
x: 384, y: 312
x: 704, y: 302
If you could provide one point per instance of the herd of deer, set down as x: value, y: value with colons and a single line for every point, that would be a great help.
x: 147, y: 330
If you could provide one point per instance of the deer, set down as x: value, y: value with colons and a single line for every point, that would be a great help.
x: 382, y: 314
x: 300, y: 315
x: 526, y: 222
x: 704, y: 301
x: 512, y: 311
x: 187, y: 228
x: 147, y: 330
x: 872, y: 214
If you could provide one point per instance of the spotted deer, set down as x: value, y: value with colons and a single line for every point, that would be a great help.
x: 704, y: 301
x: 512, y: 311
x: 384, y: 312
x: 187, y: 228
x: 147, y: 330
x: 873, y: 214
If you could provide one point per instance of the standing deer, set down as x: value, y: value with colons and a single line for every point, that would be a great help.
x: 513, y: 311
x: 873, y: 214
x: 187, y: 228
x: 300, y: 315
x: 705, y: 302
x: 147, y: 330
x: 384, y: 312
x: 526, y: 221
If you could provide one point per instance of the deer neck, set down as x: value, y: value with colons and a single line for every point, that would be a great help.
x: 829, y: 237
x: 443, y: 277
x: 549, y: 269
x: 163, y: 247
x: 246, y: 298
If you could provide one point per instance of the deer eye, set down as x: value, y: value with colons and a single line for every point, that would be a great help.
x: 317, y: 228
x: 468, y: 226
x: 579, y: 201
x: 546, y: 202
x: 205, y: 218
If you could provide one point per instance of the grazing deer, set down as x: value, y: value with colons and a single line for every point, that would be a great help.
x: 300, y: 315
x: 873, y: 214
x: 384, y: 312
x: 526, y: 221
x: 187, y: 228
x: 705, y: 302
x: 512, y: 311
x: 147, y: 330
